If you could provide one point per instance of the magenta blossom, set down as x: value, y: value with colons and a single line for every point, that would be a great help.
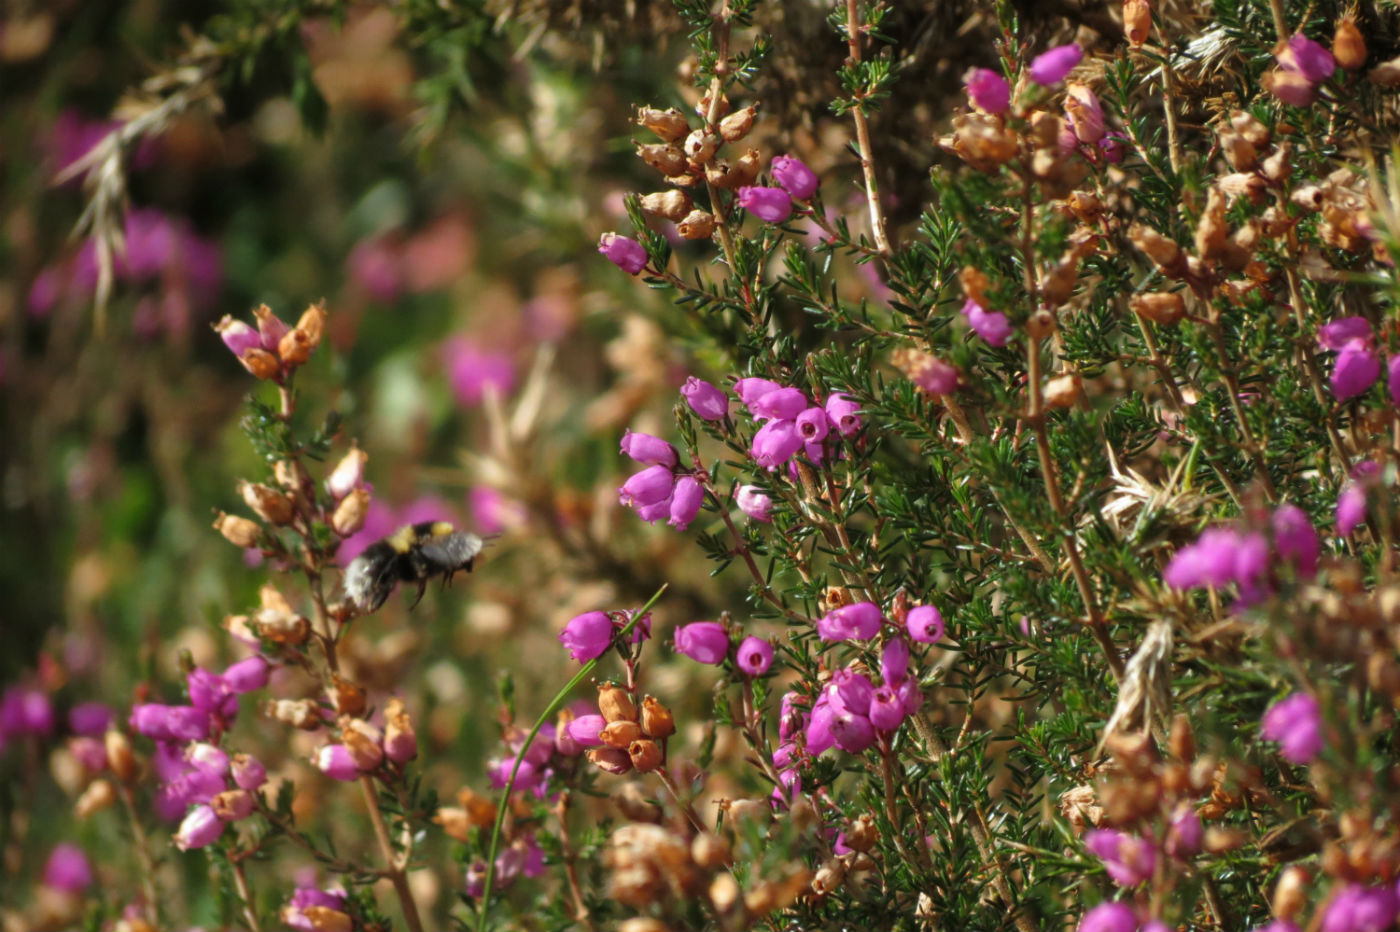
x: 925, y: 624
x: 473, y: 370
x: 586, y: 729
x: 1355, y: 908
x: 68, y: 869
x: 860, y: 621
x: 1128, y: 859
x: 651, y: 485
x: 685, y: 502
x: 987, y: 90
x: 336, y: 762
x: 200, y: 828
x: 992, y: 326
x: 1340, y: 332
x: 843, y: 410
x: 794, y: 176
x: 1296, y: 724
x: 705, y: 400
x: 1052, y: 66
x: 626, y: 254
x: 1295, y: 540
x: 886, y: 711
x: 90, y: 718
x: 754, y: 503
x: 1085, y: 114
x: 781, y: 403
x: 754, y: 656
x: 648, y: 450
x: 1308, y: 58
x: 587, y: 636
x: 751, y: 389
x: 294, y: 913
x: 775, y: 443
x: 1109, y: 917
x: 771, y: 205
x: 1351, y: 507
x: 1392, y: 381
x: 1356, y: 367
x: 1220, y: 556
x: 703, y: 642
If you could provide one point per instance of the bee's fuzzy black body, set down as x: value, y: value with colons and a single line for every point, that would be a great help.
x: 413, y: 553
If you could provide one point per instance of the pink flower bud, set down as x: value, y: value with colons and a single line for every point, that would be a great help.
x: 648, y: 450
x: 655, y: 511
x: 781, y: 403
x: 991, y: 326
x: 1113, y: 147
x: 348, y: 474
x: 1128, y: 859
x: 754, y: 656
x: 1295, y: 540
x: 850, y: 691
x: 685, y: 502
x: 90, y: 718
x: 925, y: 623
x: 586, y: 730
x: 1340, y: 332
x: 1085, y: 113
x: 894, y: 661
x: 271, y: 328
x: 1109, y: 917
x: 910, y: 695
x: 1351, y: 509
x: 842, y: 410
x: 1184, y: 831
x: 1052, y: 66
x: 775, y: 443
x: 771, y: 205
x: 818, y: 732
x: 754, y: 503
x: 587, y: 636
x: 200, y: 828
x: 987, y: 90
x: 248, y: 772
x: 813, y: 425
x: 626, y: 254
x: 1308, y: 58
x: 208, y: 759
x: 707, y: 401
x: 336, y: 762
x: 1296, y: 724
x: 1356, y: 367
x: 68, y: 869
x: 703, y: 642
x: 852, y: 732
x: 232, y: 805
x: 91, y: 753
x: 860, y: 621
x: 247, y: 675
x: 1357, y: 908
x: 751, y: 389
x: 170, y: 723
x: 238, y: 336
x: 795, y: 177
x: 886, y: 711
x: 651, y: 485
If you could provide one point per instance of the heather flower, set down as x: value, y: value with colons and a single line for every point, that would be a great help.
x: 886, y: 711
x: 1128, y: 859
x: 1109, y: 917
x: 200, y: 828
x: 685, y: 502
x: 852, y: 732
x: 703, y: 641
x: 850, y: 691
x: 818, y: 732
x: 248, y: 772
x: 648, y: 449
x: 894, y: 660
x: 1290, y: 87
x: 775, y: 443
x: 1340, y: 332
x: 1356, y: 908
x: 90, y: 718
x: 925, y: 623
x: 247, y: 675
x: 1052, y: 66
x: 587, y: 636
x: 842, y: 410
x: 1308, y: 58
x: 304, y: 899
x: 796, y: 178
x: 67, y: 869
x: 860, y: 621
x: 374, y: 265
x: 754, y: 503
x: 1085, y: 113
x: 25, y: 711
x: 208, y: 758
x: 626, y: 254
x: 1221, y: 556
x: 910, y: 695
x: 1295, y: 540
x: 585, y: 729
x: 336, y: 762
x: 348, y: 475
x: 707, y: 401
x: 1392, y: 368
x: 754, y: 656
x: 237, y: 335
x: 751, y: 389
x: 781, y: 403
x: 1113, y: 147
x: 1296, y: 724
x: 771, y: 205
x: 655, y: 511
x: 651, y: 485
x: 170, y: 723
x: 1185, y: 833
x: 992, y: 326
x: 1351, y: 508
x: 91, y: 753
x: 813, y: 425
x: 1355, y: 368
x: 987, y: 90
x: 473, y: 370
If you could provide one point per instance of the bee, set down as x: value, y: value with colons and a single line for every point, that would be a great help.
x: 413, y: 553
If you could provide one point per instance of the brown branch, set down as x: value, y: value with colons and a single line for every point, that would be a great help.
x: 867, y: 160
x: 394, y: 865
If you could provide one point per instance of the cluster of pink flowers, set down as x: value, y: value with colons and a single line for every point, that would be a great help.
x: 523, y: 857
x: 792, y: 423
x: 708, y: 642
x: 537, y: 764
x: 589, y: 635
x: 1302, y: 65
x: 1359, y: 908
x: 1223, y: 556
x: 796, y: 182
x: 1358, y: 361
x: 852, y: 711
x: 660, y: 490
x: 1119, y: 917
x: 365, y: 748
x: 26, y: 711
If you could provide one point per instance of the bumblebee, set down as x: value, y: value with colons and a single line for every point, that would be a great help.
x: 413, y: 553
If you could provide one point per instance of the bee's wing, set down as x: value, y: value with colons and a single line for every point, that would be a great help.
x: 453, y: 552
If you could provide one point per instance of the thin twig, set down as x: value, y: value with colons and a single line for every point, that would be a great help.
x: 394, y: 866
x: 143, y: 855
x: 240, y: 881
x: 867, y: 159
x: 566, y: 854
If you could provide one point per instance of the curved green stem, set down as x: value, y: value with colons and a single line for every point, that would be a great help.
x: 554, y: 706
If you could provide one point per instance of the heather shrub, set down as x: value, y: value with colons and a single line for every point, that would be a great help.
x: 737, y: 467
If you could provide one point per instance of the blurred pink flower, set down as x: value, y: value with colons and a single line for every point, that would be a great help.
x: 471, y: 368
